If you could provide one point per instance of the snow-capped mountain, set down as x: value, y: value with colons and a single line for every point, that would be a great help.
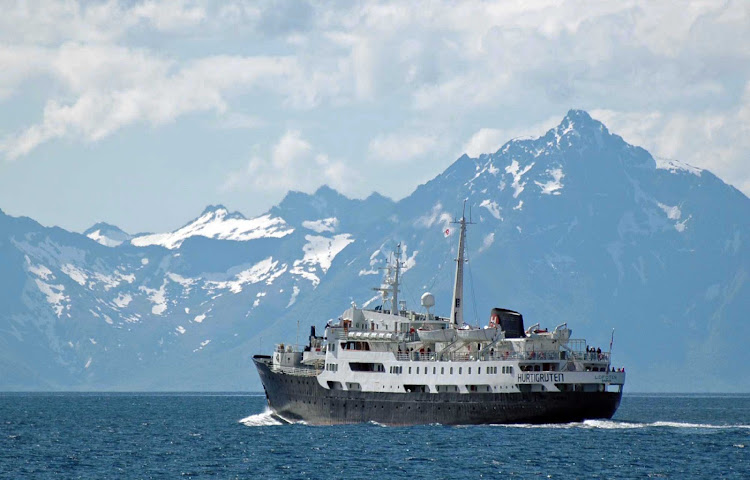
x: 576, y: 226
x: 216, y: 222
x: 108, y: 235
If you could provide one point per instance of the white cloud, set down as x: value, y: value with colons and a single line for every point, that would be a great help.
x: 672, y: 75
x: 117, y: 87
x: 292, y: 164
x: 486, y: 140
x: 398, y: 148
x: 717, y: 141
x: 172, y: 15
x: 50, y: 22
x: 489, y: 140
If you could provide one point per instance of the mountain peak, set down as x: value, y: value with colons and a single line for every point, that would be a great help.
x: 218, y: 211
x: 103, y: 226
x: 582, y: 123
x: 324, y: 191
x: 214, y: 208
x: 107, y: 234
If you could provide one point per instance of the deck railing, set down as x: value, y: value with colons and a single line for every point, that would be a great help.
x: 531, y: 356
x: 299, y: 371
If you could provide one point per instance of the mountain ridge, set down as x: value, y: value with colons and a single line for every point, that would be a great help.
x: 575, y: 225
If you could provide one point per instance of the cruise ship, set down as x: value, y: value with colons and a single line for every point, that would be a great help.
x: 396, y: 366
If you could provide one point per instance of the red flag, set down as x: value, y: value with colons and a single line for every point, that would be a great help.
x: 447, y: 231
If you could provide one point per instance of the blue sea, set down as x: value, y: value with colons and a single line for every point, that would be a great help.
x: 94, y: 436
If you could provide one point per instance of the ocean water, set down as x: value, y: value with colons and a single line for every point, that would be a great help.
x: 95, y: 436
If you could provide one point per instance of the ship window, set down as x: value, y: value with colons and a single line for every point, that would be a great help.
x: 409, y: 369
x: 469, y: 369
x: 479, y: 369
x: 442, y: 370
x: 451, y: 371
x: 459, y: 370
x: 417, y: 369
x: 366, y: 367
x: 434, y: 369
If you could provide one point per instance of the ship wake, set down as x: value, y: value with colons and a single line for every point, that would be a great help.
x: 623, y: 425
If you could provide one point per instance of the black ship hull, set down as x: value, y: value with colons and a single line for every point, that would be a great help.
x: 295, y: 398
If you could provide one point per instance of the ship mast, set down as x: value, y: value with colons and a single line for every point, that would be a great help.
x: 394, y: 284
x: 457, y: 311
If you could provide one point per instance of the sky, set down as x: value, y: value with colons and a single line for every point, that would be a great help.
x: 141, y: 113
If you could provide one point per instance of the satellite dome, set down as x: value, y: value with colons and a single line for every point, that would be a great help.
x: 428, y: 300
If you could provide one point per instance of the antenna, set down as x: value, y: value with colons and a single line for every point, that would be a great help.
x: 392, y: 282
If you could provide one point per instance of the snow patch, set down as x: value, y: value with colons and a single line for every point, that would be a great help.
x: 265, y: 270
x: 157, y: 297
x: 492, y: 207
x: 295, y: 292
x: 102, y: 239
x: 75, y: 274
x: 112, y: 281
x: 320, y: 251
x: 674, y: 213
x: 515, y: 170
x: 219, y: 224
x: 199, y: 318
x: 487, y: 241
x: 408, y: 261
x: 123, y: 300
x: 144, y: 261
x: 54, y: 295
x: 680, y: 226
x: 322, y: 225
x: 552, y: 187
x: 202, y: 345
x: 39, y: 270
x: 435, y: 216
x: 181, y: 330
x: 88, y: 363
x: 519, y: 206
x: 676, y: 167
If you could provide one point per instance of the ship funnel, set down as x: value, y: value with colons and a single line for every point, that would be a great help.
x: 509, y: 322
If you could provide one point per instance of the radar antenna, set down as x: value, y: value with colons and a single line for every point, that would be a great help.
x: 391, y: 281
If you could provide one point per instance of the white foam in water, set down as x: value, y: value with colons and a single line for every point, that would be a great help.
x: 264, y: 419
x: 695, y: 425
x: 620, y: 425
